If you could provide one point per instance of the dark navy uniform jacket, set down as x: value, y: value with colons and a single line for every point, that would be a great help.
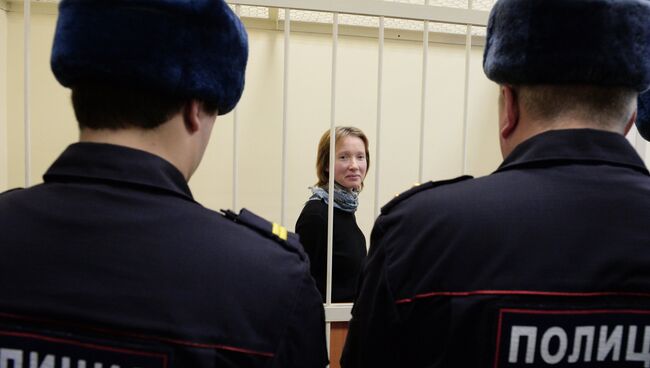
x: 544, y: 263
x: 112, y: 262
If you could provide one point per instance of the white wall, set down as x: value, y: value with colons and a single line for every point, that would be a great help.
x: 260, y: 113
x: 641, y: 145
x: 53, y: 125
x: 3, y: 96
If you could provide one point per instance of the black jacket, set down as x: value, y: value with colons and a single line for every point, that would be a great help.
x: 111, y: 255
x: 349, y: 246
x: 528, y: 267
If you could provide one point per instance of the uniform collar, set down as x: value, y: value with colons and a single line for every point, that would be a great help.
x: 117, y: 164
x: 574, y: 145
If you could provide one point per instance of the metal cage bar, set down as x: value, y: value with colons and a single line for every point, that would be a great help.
x: 468, y: 60
x: 26, y: 101
x: 235, y: 146
x: 379, y: 8
x: 285, y: 111
x: 330, y: 206
x: 380, y: 97
x: 423, y: 104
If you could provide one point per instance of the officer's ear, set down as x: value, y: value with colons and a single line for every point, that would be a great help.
x: 191, y: 115
x: 508, y: 111
x: 631, y: 122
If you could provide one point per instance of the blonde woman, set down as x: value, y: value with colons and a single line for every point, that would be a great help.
x: 350, y: 168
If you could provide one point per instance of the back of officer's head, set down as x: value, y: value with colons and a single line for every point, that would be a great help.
x: 135, y: 63
x: 579, y: 59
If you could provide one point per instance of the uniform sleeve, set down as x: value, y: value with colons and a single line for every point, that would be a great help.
x: 304, y: 344
x: 373, y: 337
x: 312, y: 229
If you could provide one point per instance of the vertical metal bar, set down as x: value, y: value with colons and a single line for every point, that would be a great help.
x: 468, y: 56
x: 380, y: 92
x: 235, y: 146
x: 423, y: 105
x: 26, y: 102
x: 285, y: 109
x: 330, y: 207
x: 235, y: 159
x: 4, y: 157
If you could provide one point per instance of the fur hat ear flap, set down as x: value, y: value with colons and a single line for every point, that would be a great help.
x: 643, y: 115
x: 599, y: 42
x: 192, y: 49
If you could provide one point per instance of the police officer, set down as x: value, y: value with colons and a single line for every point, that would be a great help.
x: 545, y: 262
x: 111, y: 262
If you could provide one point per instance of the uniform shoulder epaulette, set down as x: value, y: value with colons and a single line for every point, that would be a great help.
x: 11, y: 190
x: 420, y: 188
x: 268, y: 229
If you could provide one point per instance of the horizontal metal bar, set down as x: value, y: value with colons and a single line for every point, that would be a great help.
x: 50, y: 7
x: 359, y: 7
x: 339, y: 312
x: 361, y: 31
x: 380, y: 8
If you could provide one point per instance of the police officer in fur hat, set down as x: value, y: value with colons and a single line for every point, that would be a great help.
x: 111, y: 262
x: 545, y: 262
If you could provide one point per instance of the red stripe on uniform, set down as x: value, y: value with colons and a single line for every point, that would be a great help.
x: 57, y: 340
x: 145, y: 337
x: 519, y: 292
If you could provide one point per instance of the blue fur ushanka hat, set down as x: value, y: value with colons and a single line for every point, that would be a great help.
x: 194, y: 49
x: 643, y: 116
x: 600, y: 42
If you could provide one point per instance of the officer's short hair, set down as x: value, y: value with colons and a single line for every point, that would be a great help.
x: 323, y: 152
x: 606, y: 107
x: 102, y: 106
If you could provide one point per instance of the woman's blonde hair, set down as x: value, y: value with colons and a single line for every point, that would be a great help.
x: 323, y: 153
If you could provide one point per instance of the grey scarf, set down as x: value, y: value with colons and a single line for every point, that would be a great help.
x: 344, y: 199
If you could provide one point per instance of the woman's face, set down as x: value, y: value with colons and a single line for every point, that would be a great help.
x: 350, y: 165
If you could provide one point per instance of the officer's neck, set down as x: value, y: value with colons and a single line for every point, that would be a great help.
x: 527, y: 129
x: 167, y: 141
